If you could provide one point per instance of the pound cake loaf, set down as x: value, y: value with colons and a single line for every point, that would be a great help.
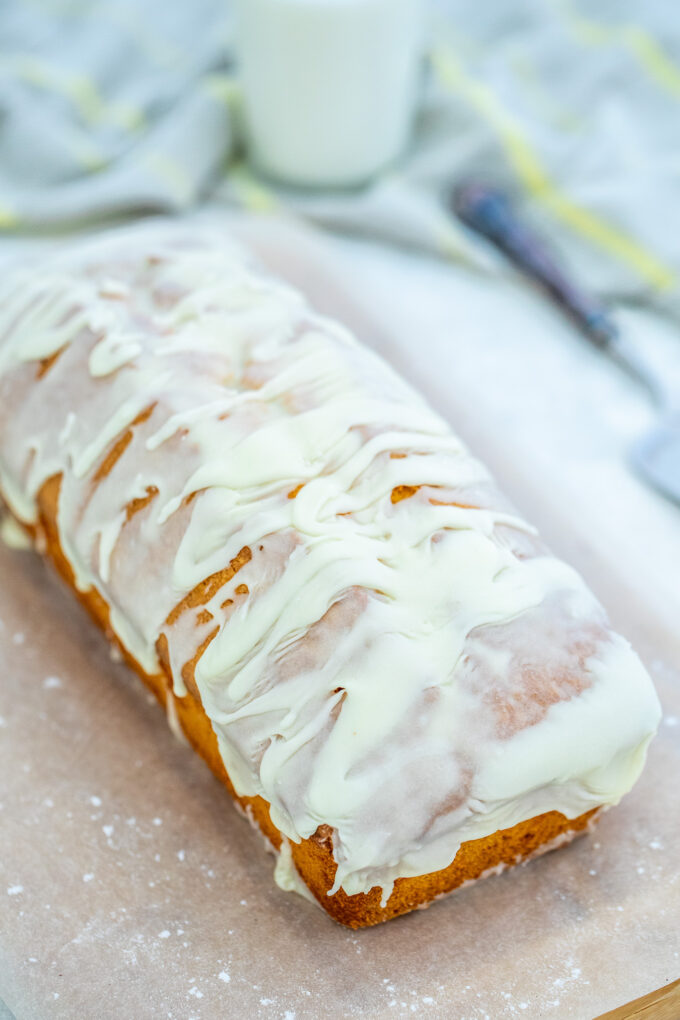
x: 398, y: 683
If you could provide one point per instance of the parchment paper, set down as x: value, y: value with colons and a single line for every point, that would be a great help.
x: 130, y: 888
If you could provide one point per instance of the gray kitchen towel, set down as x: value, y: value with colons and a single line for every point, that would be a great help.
x: 116, y: 107
x: 110, y: 107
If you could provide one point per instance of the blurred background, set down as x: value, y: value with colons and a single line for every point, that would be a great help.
x: 362, y: 117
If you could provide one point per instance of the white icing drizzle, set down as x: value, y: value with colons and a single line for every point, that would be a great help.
x: 411, y: 672
x: 287, y: 876
x: 174, y: 724
x: 12, y: 534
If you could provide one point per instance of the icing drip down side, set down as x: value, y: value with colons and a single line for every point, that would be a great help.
x: 382, y: 645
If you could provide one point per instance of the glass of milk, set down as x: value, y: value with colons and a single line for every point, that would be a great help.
x: 329, y: 86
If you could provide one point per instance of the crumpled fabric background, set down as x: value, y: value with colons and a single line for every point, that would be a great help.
x: 111, y: 107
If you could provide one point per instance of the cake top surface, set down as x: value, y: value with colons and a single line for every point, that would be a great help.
x: 382, y: 644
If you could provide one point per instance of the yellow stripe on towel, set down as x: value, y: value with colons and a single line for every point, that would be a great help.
x: 222, y: 87
x: 251, y: 192
x: 172, y: 174
x: 8, y: 218
x: 527, y: 165
x: 639, y: 43
x: 80, y: 90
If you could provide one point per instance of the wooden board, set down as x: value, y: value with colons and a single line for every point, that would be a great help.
x: 663, y: 1004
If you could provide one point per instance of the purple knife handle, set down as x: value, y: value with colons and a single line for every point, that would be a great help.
x: 488, y: 211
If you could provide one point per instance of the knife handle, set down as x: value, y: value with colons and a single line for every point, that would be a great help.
x: 488, y: 211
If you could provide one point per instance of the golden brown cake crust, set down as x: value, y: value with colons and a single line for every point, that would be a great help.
x: 313, y: 857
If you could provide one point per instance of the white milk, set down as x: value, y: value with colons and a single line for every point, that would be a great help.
x: 329, y: 86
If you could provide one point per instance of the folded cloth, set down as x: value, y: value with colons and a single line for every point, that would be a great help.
x: 114, y: 107
x: 110, y: 107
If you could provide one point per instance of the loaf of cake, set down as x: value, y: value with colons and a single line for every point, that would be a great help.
x: 399, y: 684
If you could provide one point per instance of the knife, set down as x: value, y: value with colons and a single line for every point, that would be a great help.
x: 488, y: 211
